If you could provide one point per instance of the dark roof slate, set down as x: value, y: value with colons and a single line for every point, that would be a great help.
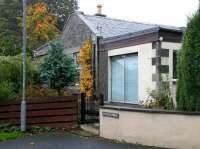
x: 109, y: 28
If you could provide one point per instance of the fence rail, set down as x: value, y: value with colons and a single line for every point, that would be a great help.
x: 48, y: 111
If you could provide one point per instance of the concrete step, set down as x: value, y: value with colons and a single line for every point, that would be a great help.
x: 92, y: 128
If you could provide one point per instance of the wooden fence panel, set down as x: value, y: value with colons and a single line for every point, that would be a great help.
x: 48, y: 111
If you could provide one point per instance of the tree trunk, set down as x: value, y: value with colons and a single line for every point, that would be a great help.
x: 60, y: 93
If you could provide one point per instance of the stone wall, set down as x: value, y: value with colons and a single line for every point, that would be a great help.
x: 74, y: 34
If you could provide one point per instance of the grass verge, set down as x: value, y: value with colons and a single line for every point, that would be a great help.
x: 10, y: 135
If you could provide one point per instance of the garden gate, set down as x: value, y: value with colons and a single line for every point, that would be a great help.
x: 90, y: 109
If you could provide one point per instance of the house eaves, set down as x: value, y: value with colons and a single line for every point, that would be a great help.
x: 130, y: 35
x: 140, y: 33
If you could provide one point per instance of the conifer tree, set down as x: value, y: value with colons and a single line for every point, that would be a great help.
x: 58, y: 70
x: 188, y: 92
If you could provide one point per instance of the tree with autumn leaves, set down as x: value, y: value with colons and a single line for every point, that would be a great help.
x: 60, y: 8
x: 41, y: 25
x: 86, y: 74
x: 45, y: 21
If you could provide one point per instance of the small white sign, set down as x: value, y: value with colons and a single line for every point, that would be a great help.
x: 109, y: 114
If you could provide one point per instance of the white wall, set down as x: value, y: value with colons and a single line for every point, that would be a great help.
x: 145, y: 68
x: 169, y: 61
x: 154, y: 129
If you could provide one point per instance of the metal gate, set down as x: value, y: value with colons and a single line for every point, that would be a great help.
x: 90, y: 109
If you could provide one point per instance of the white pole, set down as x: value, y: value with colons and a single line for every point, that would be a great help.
x: 23, y: 103
x: 199, y: 4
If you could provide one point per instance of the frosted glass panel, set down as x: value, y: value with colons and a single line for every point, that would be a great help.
x: 118, y: 79
x: 131, y: 79
x: 124, y: 78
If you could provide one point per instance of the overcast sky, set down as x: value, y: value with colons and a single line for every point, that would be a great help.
x: 168, y: 12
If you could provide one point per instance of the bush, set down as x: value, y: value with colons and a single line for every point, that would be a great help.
x: 160, y: 98
x: 10, y: 70
x: 188, y: 91
x: 40, y: 91
x: 8, y: 128
x: 7, y: 91
x: 8, y: 132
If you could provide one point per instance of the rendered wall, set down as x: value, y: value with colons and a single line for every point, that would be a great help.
x: 145, y: 68
x: 177, y: 131
x: 169, y: 61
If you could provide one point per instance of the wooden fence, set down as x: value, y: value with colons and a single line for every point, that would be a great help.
x: 59, y: 112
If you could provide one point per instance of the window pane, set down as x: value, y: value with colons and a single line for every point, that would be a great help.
x: 131, y: 79
x: 117, y: 65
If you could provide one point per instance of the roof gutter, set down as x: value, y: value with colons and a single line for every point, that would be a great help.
x: 139, y: 33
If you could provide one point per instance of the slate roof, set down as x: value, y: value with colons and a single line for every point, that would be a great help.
x: 112, y: 29
x: 109, y: 28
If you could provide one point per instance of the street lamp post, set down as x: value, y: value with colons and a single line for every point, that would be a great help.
x: 23, y: 103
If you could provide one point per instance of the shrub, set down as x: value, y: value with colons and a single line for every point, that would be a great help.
x: 7, y: 91
x: 8, y: 128
x: 40, y: 91
x: 58, y: 70
x: 10, y: 70
x: 188, y: 91
x: 160, y: 98
x: 8, y: 132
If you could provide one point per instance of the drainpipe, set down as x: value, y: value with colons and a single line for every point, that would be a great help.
x: 96, y: 55
x: 96, y: 62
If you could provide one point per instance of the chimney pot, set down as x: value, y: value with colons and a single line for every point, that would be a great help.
x: 99, y: 9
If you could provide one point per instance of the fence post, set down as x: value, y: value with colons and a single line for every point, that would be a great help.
x: 82, y: 108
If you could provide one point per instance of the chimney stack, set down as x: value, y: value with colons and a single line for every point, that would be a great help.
x: 99, y: 11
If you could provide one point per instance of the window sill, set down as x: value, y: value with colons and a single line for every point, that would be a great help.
x: 125, y: 105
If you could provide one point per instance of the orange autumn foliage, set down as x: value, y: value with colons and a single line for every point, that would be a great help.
x: 86, y: 75
x: 41, y: 25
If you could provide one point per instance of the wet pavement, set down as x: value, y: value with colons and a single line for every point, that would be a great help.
x: 66, y: 142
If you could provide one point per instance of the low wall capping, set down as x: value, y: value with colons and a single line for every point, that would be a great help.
x: 145, y: 110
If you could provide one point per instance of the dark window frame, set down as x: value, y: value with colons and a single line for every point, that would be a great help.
x: 174, y: 64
